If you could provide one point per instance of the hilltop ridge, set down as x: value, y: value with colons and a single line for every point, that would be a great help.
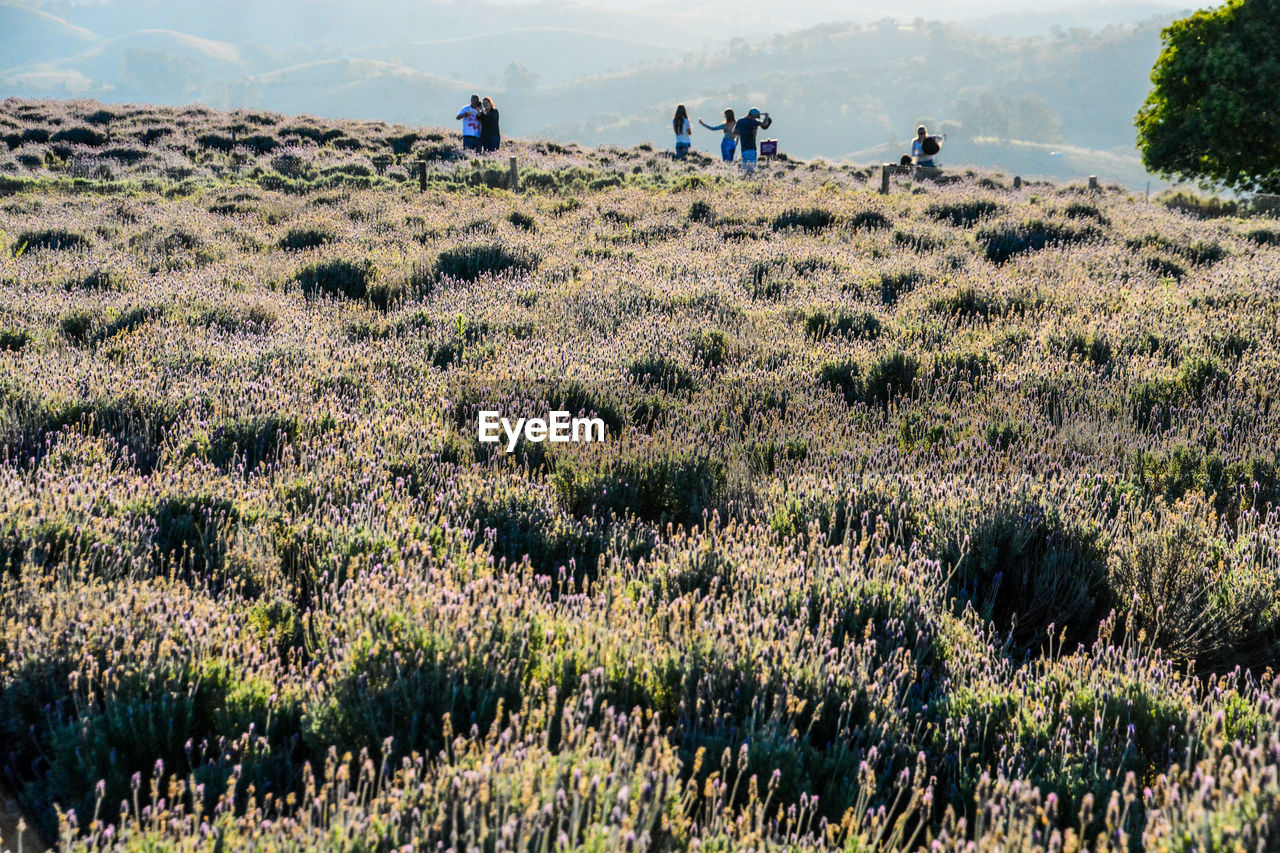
x: 84, y: 140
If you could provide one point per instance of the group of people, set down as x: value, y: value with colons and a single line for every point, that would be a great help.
x: 480, y: 132
x: 480, y: 125
x: 737, y: 131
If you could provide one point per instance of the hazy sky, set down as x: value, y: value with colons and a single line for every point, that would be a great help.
x: 829, y: 10
x: 754, y: 17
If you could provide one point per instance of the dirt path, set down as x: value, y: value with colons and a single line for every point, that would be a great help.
x: 9, y: 816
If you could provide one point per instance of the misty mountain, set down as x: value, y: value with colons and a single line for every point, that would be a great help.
x: 612, y: 73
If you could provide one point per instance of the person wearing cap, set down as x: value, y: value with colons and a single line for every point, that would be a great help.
x: 746, y: 130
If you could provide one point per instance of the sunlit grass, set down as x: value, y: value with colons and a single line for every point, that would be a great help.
x: 942, y: 517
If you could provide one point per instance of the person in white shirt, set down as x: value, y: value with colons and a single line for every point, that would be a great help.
x: 684, y: 132
x: 470, y: 118
x: 924, y: 147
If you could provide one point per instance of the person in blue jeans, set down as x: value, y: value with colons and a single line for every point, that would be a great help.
x: 746, y: 129
x: 684, y: 132
x: 729, y: 144
x: 470, y: 118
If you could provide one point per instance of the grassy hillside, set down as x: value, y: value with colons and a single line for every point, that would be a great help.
x: 923, y: 520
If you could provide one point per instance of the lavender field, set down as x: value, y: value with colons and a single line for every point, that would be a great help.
x: 942, y: 520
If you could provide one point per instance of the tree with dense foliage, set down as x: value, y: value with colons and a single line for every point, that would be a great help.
x: 1212, y: 115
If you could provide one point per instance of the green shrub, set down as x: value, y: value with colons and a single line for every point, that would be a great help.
x: 892, y: 285
x: 661, y: 371
x: 277, y: 625
x: 1085, y: 210
x: 890, y: 376
x: 101, y: 279
x: 14, y: 340
x: 1177, y: 582
x: 764, y: 457
x: 606, y: 182
x: 702, y: 211
x: 583, y: 401
x: 1164, y: 267
x: 1024, y: 568
x: 668, y: 487
x: 1174, y: 472
x: 1264, y: 236
x: 969, y: 302
x: 963, y: 214
x: 869, y: 219
x: 1150, y: 402
x: 1199, y: 206
x: 523, y: 221
x: 1002, y: 242
x: 1204, y: 251
x: 814, y: 264
x: 52, y: 239
x: 80, y: 136
x: 711, y: 348
x: 916, y: 241
x: 260, y: 143
x: 842, y: 376
x: 77, y: 325
x: 818, y: 324
x: 468, y: 263
x: 766, y: 278
x: 923, y: 429
x: 338, y: 277
x: 955, y: 368
x: 1002, y: 434
x: 1092, y: 348
x: 404, y: 143
x: 306, y: 237
x: 811, y: 219
x: 1196, y: 374
x: 251, y: 441
x: 188, y: 532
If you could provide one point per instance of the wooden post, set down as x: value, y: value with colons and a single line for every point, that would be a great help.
x: 884, y: 179
x: 1017, y: 182
x: 515, y: 175
x: 1093, y: 183
x: 422, y: 175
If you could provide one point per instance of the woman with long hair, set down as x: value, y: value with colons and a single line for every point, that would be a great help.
x: 684, y: 132
x: 729, y: 144
x: 924, y: 147
x: 490, y: 136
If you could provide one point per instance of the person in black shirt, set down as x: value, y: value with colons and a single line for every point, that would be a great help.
x: 746, y: 129
x: 490, y: 136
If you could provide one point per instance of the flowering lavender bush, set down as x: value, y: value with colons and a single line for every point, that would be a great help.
x: 945, y: 520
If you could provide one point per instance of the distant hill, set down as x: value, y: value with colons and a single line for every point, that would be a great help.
x: 32, y: 35
x: 611, y: 74
x: 843, y: 88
